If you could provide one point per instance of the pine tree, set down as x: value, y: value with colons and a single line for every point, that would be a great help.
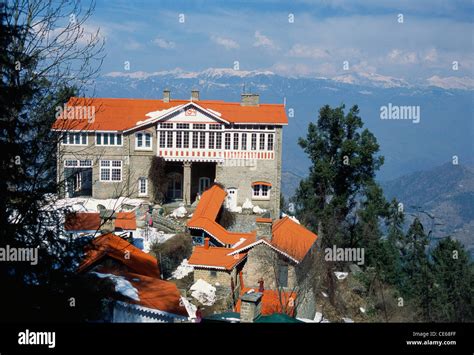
x: 454, y: 283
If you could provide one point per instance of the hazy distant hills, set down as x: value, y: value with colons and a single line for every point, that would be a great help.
x: 446, y: 193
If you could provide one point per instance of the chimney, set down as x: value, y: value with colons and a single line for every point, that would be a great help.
x: 195, y: 95
x: 264, y: 228
x: 206, y: 243
x: 166, y: 95
x: 251, y: 307
x: 107, y: 221
x: 250, y: 100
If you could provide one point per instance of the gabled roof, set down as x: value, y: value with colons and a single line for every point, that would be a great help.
x: 289, y: 238
x: 292, y: 238
x: 215, y: 258
x: 90, y: 221
x: 122, y: 114
x: 111, y: 245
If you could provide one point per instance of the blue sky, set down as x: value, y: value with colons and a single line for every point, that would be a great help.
x: 259, y: 35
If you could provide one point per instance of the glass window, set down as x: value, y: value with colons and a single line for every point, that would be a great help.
x: 236, y: 141
x: 162, y: 139
x: 262, y: 141
x: 169, y: 139
x: 211, y: 140
x: 186, y: 139
x: 227, y: 141
x: 218, y: 140
x: 202, y: 140
x: 244, y: 141
x: 270, y: 142
x: 142, y: 186
x: 254, y: 141
x: 195, y: 139
x: 110, y: 170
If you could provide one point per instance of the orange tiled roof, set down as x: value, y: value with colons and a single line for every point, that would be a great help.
x: 111, y: 245
x: 122, y: 114
x: 215, y: 258
x: 204, y: 217
x: 82, y: 221
x: 292, y: 238
x: 271, y: 302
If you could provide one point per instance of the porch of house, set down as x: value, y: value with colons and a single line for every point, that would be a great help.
x: 187, y: 180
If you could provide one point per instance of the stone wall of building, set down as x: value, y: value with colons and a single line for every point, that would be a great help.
x: 240, y: 174
x: 135, y: 164
x: 262, y: 262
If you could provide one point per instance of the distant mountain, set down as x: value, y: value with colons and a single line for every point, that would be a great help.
x: 445, y: 193
x: 445, y: 128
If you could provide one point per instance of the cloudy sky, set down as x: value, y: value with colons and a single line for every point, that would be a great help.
x: 413, y: 40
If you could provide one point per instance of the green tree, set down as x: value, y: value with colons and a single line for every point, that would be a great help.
x: 344, y: 161
x: 454, y: 283
x: 43, y: 62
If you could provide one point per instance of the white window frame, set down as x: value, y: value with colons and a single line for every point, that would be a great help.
x: 110, y: 167
x: 101, y: 144
x: 140, y: 180
x: 258, y: 194
x: 70, y: 134
x: 143, y: 135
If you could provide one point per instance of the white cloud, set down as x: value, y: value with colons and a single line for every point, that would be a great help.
x: 304, y: 51
x: 263, y: 41
x: 227, y: 43
x: 163, y: 43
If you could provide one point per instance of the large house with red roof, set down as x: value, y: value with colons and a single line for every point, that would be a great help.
x: 107, y: 146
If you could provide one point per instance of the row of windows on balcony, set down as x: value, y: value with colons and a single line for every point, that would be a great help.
x: 182, y: 139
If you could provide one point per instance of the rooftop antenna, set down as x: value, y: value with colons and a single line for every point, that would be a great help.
x: 284, y: 101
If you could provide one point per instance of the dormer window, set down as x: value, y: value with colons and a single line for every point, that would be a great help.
x: 143, y: 141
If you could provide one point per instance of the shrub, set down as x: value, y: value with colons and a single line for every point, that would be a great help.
x: 171, y: 253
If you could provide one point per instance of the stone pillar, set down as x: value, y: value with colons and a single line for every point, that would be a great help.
x: 251, y: 307
x: 187, y: 183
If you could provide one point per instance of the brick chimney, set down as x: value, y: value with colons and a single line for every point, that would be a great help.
x: 107, y: 221
x: 206, y: 243
x: 250, y: 100
x: 264, y: 228
x: 166, y: 95
x: 195, y: 95
x: 251, y: 307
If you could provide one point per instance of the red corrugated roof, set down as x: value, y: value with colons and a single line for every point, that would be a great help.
x: 215, y: 258
x: 111, y: 245
x: 123, y: 114
x: 85, y: 221
x: 81, y: 221
x: 126, y: 220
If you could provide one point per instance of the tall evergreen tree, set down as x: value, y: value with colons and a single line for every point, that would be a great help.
x: 453, y: 274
